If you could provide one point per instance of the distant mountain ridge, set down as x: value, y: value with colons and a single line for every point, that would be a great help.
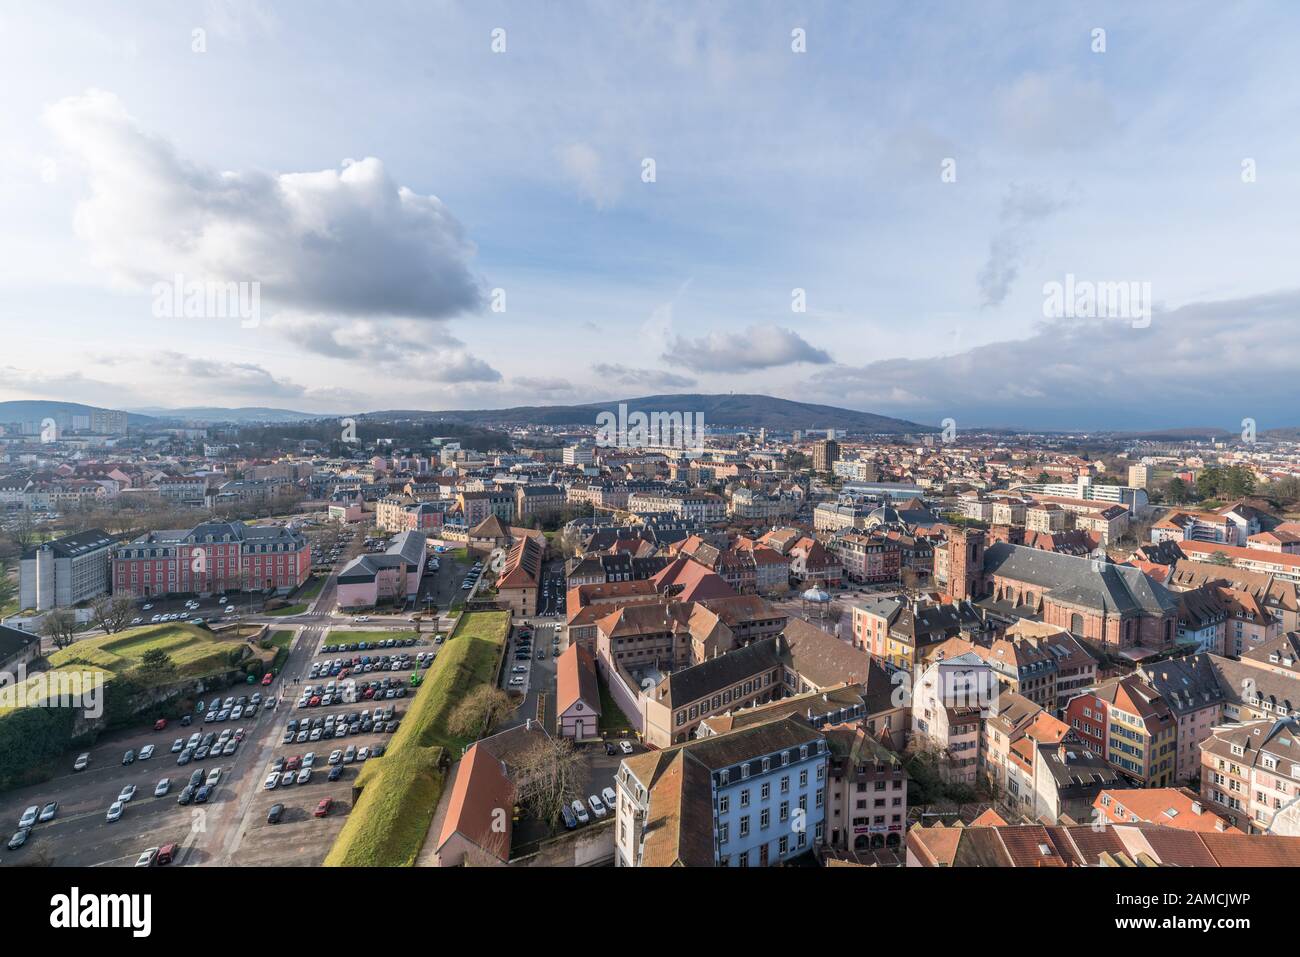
x: 237, y: 416
x: 723, y: 410
x: 33, y: 410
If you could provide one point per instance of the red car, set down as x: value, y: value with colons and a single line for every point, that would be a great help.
x: 323, y: 808
x: 267, y: 679
x: 294, y: 763
x: 160, y: 724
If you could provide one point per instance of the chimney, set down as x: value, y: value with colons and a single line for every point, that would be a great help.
x: 1196, y: 807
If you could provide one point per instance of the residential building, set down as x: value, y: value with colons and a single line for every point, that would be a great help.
x: 1132, y: 726
x: 66, y: 571
x: 755, y: 797
x: 1250, y: 772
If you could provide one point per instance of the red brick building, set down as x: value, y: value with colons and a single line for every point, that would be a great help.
x: 212, y: 558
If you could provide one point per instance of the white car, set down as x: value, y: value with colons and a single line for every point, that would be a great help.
x: 611, y: 799
x: 146, y: 857
x: 625, y: 747
x: 304, y: 775
x: 361, y: 618
x: 597, y: 808
x: 127, y: 794
x: 271, y: 781
x: 230, y: 609
x: 114, y: 812
x: 82, y: 761
x: 145, y: 753
x: 146, y: 607
x: 580, y: 811
x: 29, y: 817
x: 309, y: 759
x: 162, y: 787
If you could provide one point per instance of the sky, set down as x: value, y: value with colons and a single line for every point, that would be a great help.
x: 456, y: 206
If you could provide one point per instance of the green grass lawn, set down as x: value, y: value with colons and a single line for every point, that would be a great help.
x: 193, y: 650
x: 287, y: 610
x: 400, y: 791
x: 612, y: 719
x: 341, y: 637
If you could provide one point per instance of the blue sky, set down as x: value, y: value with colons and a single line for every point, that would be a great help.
x: 378, y: 170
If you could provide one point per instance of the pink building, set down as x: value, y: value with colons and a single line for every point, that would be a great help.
x: 577, y: 695
x: 393, y: 576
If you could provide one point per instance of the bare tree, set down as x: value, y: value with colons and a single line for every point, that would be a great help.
x: 8, y: 588
x: 112, y: 612
x: 547, y: 778
x: 60, y: 626
x: 480, y: 712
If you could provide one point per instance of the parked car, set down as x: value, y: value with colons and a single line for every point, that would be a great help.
x: 114, y: 812
x: 147, y: 857
x: 29, y: 816
x: 166, y: 854
x: 129, y: 757
x: 323, y: 808
x: 127, y: 793
x: 580, y: 811
x: 202, y: 794
x: 162, y: 787
x: 146, y: 752
x: 186, y: 796
x: 83, y: 760
x: 48, y: 812
x: 19, y: 838
x: 272, y: 781
x: 597, y: 806
x: 625, y: 747
x: 276, y: 814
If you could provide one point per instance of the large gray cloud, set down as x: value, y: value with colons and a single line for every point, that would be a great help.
x: 748, y: 350
x: 346, y: 241
x: 1204, y: 363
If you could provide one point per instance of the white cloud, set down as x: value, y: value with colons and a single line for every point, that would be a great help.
x: 587, y: 169
x: 756, y: 347
x: 401, y: 347
x: 345, y: 241
x: 648, y: 378
x: 1022, y: 208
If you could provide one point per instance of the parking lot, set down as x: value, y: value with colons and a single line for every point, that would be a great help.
x: 230, y: 826
x: 81, y: 834
x: 300, y: 838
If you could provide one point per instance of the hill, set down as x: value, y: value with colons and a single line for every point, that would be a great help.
x: 34, y: 410
x: 237, y: 416
x: 720, y: 411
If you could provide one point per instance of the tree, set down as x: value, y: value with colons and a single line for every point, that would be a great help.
x: 112, y: 612
x: 480, y: 712
x: 548, y: 777
x: 60, y: 626
x: 1176, y: 492
x: 155, y: 661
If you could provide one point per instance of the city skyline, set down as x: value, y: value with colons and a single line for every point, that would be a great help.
x: 399, y: 214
